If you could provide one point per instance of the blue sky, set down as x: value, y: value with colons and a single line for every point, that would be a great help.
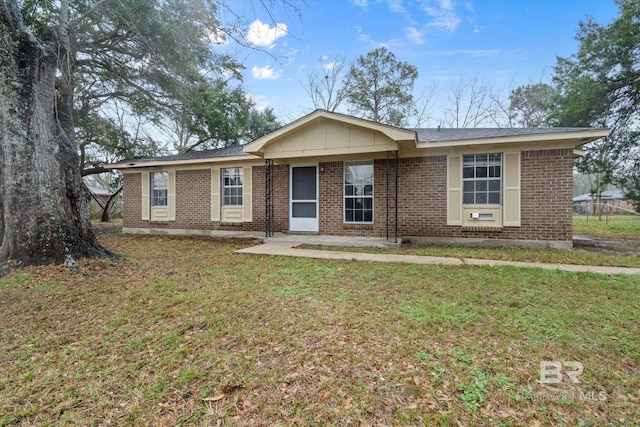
x: 504, y: 42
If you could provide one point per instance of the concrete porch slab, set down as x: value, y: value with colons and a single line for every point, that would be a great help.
x: 285, y: 248
x: 322, y: 240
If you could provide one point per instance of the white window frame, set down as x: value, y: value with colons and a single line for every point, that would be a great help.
x: 369, y: 196
x: 231, y: 174
x: 487, y: 179
x: 153, y: 199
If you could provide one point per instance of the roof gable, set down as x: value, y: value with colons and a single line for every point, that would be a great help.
x: 326, y: 133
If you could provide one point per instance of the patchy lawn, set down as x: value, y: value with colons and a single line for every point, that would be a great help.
x: 184, y: 332
x: 553, y: 256
x: 616, y: 226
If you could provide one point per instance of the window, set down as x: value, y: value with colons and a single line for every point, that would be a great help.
x: 232, y: 187
x: 482, y: 179
x: 358, y: 192
x: 159, y: 189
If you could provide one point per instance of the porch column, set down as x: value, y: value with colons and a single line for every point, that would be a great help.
x: 395, y: 196
x: 268, y: 198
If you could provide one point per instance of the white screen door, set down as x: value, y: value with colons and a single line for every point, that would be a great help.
x: 303, y: 211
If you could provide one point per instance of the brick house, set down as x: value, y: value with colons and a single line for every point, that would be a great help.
x: 329, y: 173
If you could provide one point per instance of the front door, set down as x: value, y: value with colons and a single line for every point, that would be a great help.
x: 303, y: 209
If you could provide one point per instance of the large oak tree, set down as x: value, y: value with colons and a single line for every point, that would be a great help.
x: 43, y: 208
x: 65, y: 68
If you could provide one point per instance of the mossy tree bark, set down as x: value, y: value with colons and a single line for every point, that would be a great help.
x: 44, y: 215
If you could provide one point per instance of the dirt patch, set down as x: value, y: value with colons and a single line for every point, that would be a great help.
x: 107, y: 228
x: 607, y: 245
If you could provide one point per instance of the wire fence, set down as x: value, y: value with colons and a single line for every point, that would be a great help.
x: 608, y: 213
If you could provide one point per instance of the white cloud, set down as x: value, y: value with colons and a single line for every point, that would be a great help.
x: 443, y: 14
x: 330, y: 66
x: 476, y: 29
x: 414, y: 35
x: 396, y: 6
x: 360, y: 3
x: 259, y: 102
x: 264, y: 73
x: 263, y: 35
x: 366, y: 38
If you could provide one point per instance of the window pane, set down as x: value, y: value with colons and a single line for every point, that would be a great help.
x: 481, y: 160
x: 303, y: 209
x: 159, y: 186
x: 303, y: 183
x: 467, y: 172
x: 467, y: 198
x: 358, y: 181
x: 495, y: 158
x: 481, y: 178
x: 232, y: 187
x: 348, y: 203
x: 348, y: 215
x: 159, y: 180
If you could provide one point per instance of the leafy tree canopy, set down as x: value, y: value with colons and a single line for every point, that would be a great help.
x: 378, y: 87
x: 600, y: 86
x: 134, y: 65
x: 532, y: 104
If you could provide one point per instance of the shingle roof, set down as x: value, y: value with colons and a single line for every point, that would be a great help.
x: 425, y: 135
x: 448, y: 134
x: 606, y: 195
x: 232, y: 150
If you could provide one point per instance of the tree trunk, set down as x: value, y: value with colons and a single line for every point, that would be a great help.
x: 106, y: 210
x: 44, y: 215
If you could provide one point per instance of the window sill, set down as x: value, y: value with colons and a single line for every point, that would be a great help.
x: 357, y: 225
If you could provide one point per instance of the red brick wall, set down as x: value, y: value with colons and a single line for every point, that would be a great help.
x: 546, y: 192
x: 132, y: 200
x: 193, y: 204
x: 280, y: 199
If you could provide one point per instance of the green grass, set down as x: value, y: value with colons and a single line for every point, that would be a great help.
x: 615, y: 226
x: 184, y: 332
x: 554, y: 256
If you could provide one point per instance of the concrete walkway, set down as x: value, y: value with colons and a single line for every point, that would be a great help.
x: 288, y: 248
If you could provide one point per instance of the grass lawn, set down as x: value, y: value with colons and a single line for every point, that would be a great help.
x: 617, y: 226
x: 553, y: 256
x: 184, y: 332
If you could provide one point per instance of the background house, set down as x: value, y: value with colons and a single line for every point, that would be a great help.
x: 613, y: 201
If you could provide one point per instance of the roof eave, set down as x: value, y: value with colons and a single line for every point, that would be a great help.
x: 581, y: 137
x: 132, y: 164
